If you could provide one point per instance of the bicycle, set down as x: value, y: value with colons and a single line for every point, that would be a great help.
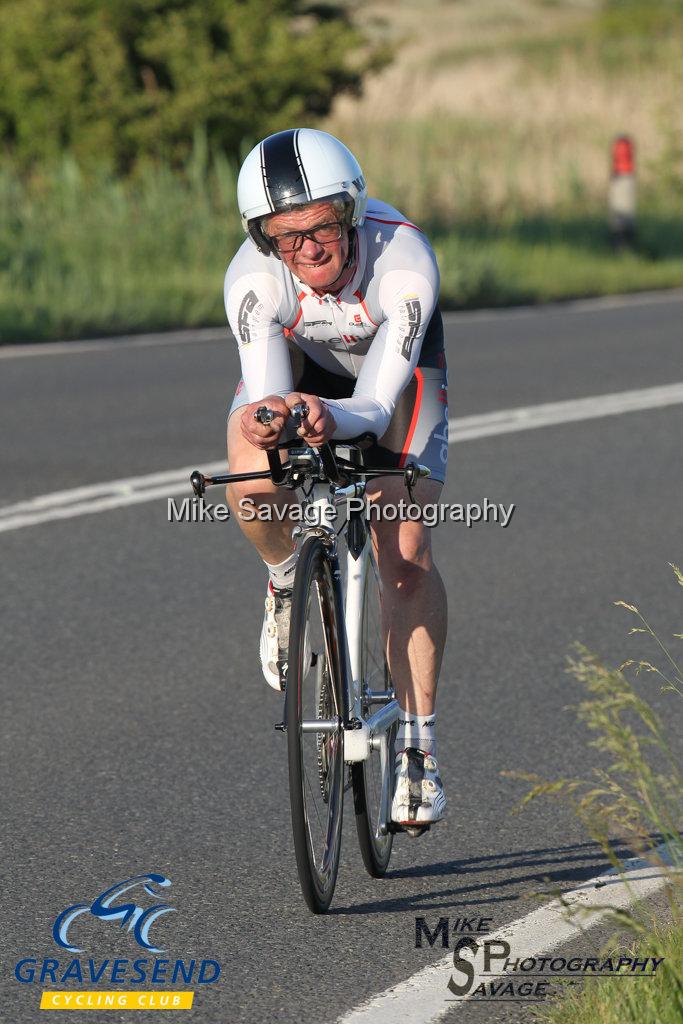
x: 340, y: 706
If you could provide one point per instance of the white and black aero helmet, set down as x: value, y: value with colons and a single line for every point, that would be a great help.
x: 295, y: 167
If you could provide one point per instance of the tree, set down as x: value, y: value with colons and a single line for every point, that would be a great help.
x: 130, y: 79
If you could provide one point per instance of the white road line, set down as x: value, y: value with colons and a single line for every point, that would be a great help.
x: 597, y: 304
x: 81, y: 501
x: 92, y: 498
x: 71, y: 348
x: 169, y: 478
x: 18, y: 350
x: 424, y: 997
x: 507, y: 421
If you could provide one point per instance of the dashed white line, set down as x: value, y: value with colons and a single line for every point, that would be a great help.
x: 103, y: 497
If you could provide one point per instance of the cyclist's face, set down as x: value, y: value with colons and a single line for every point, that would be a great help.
x: 316, y: 264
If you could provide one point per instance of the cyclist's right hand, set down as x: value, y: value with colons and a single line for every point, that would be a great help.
x: 264, y: 435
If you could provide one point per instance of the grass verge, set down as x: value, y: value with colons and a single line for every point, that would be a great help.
x: 544, y: 258
x: 636, y: 795
x: 101, y: 255
x: 658, y: 1000
x: 82, y: 257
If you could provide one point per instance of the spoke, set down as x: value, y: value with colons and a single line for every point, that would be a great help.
x: 326, y: 639
x: 323, y: 830
x: 322, y: 741
x: 311, y: 844
x: 374, y: 678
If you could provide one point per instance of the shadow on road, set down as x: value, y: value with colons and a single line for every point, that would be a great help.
x: 502, y: 879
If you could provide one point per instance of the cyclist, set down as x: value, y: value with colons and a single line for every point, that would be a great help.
x: 335, y: 295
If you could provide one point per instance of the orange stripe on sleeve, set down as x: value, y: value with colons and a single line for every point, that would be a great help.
x: 413, y: 422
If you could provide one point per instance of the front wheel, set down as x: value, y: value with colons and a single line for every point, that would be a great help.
x: 316, y: 757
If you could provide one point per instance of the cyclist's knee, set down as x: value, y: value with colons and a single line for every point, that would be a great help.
x: 250, y: 496
x: 243, y: 457
x: 404, y: 554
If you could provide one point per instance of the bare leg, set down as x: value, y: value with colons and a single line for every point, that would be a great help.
x: 414, y: 601
x: 414, y: 605
x: 272, y: 539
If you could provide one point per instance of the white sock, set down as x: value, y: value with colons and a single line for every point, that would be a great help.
x: 416, y: 731
x: 282, y: 575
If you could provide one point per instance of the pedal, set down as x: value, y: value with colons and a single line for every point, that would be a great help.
x: 412, y: 830
x: 415, y: 831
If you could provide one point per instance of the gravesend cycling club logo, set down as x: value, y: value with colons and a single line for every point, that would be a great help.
x: 139, y: 921
x: 134, y: 906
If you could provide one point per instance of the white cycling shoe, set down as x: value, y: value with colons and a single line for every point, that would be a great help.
x: 419, y: 799
x: 275, y: 636
x: 274, y: 646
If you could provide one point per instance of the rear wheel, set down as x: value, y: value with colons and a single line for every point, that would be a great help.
x: 367, y: 775
x: 316, y: 757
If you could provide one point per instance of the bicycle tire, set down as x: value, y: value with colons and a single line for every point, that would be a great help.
x: 366, y: 776
x: 316, y: 759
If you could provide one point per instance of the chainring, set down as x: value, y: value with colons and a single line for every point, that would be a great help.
x: 322, y: 738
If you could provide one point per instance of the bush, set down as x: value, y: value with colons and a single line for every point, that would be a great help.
x: 137, y: 78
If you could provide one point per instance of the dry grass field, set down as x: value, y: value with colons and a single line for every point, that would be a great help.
x: 499, y: 106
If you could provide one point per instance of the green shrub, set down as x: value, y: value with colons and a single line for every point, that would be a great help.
x: 135, y: 79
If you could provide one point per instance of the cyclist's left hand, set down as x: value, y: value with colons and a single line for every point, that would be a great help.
x: 320, y: 424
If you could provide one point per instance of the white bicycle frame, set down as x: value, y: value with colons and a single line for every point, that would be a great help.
x: 371, y: 733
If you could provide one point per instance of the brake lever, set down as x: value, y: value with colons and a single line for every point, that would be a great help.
x: 412, y: 474
x: 198, y: 481
x: 264, y: 415
x: 299, y: 413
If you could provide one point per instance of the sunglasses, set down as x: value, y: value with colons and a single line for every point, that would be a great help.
x: 292, y: 241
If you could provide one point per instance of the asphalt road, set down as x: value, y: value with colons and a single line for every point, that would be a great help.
x: 137, y: 734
